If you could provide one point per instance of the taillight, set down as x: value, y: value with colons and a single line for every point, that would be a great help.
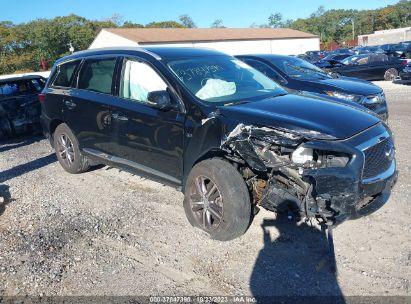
x: 404, y: 62
x: 42, y: 97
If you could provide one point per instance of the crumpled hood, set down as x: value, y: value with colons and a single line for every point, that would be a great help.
x: 351, y: 86
x: 294, y: 112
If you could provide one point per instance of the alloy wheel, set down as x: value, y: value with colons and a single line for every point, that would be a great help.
x: 391, y: 74
x: 65, y: 149
x: 206, y: 203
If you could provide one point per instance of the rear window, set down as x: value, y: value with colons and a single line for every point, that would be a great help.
x: 97, y: 75
x: 65, y: 74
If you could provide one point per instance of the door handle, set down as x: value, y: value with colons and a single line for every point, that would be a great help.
x: 70, y: 104
x: 117, y: 116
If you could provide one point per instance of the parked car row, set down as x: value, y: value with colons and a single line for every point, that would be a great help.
x: 300, y: 76
x: 369, y: 63
x: 401, y: 50
x: 371, y: 66
x: 232, y: 139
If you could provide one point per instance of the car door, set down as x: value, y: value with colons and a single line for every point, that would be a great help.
x: 360, y: 68
x: 377, y: 66
x: 87, y: 108
x: 356, y: 67
x: 60, y: 86
x: 147, y: 138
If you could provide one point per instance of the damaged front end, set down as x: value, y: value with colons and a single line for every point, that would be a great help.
x: 312, y: 175
x: 19, y: 115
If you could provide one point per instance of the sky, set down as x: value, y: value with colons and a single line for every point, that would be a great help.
x: 234, y: 13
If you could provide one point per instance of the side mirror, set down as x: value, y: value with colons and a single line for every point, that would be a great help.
x: 160, y: 100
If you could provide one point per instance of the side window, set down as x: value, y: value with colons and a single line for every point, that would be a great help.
x: 266, y: 70
x: 378, y: 58
x: 97, y: 75
x: 65, y: 74
x: 363, y: 60
x: 138, y: 80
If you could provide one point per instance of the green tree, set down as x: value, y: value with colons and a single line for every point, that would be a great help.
x: 165, y: 24
x: 218, y: 23
x: 187, y: 21
x: 129, y: 24
x: 275, y: 20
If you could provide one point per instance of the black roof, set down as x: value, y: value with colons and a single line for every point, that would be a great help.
x: 265, y: 56
x: 155, y: 52
x: 20, y: 78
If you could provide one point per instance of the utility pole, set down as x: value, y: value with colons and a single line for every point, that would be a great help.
x: 71, y: 48
x: 353, y: 28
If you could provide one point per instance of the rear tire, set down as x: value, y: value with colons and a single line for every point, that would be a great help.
x: 68, y: 152
x: 390, y: 74
x: 217, y: 200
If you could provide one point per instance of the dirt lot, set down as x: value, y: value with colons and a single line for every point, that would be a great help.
x: 110, y: 233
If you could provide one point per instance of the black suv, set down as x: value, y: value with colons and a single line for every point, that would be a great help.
x: 229, y: 137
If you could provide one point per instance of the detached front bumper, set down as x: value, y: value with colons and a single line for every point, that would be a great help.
x: 360, y: 188
x: 352, y: 200
x: 377, y: 194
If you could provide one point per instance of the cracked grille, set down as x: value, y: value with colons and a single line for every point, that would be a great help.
x: 377, y: 158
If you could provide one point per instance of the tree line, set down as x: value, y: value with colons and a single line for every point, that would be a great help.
x: 23, y: 47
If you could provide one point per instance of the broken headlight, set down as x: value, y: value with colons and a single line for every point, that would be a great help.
x: 308, y: 157
x: 302, y: 155
x: 344, y: 96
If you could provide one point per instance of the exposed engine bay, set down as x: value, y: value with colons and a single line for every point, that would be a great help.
x: 19, y: 115
x: 19, y: 106
x: 277, y: 167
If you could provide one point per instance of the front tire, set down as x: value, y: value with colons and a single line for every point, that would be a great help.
x: 68, y: 152
x: 390, y: 74
x: 217, y: 200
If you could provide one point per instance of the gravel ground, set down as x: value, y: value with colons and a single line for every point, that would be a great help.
x: 107, y: 232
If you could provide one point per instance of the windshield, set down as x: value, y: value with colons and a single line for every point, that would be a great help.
x: 223, y: 79
x: 299, y: 69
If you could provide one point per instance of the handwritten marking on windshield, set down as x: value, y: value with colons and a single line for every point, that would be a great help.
x: 201, y: 71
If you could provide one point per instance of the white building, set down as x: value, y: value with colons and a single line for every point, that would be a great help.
x: 228, y: 40
x: 386, y: 36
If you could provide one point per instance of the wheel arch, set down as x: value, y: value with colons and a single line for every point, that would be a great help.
x: 212, y: 153
x: 52, y: 128
x: 54, y: 124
